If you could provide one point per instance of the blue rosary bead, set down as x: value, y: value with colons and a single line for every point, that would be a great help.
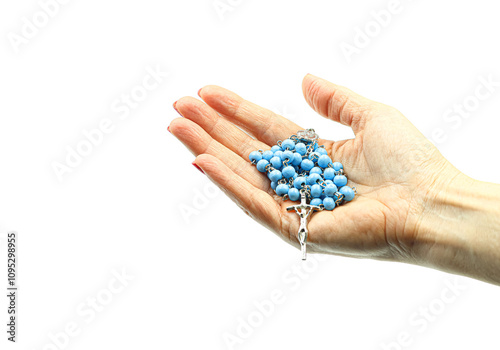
x: 307, y: 164
x: 348, y: 193
x: 278, y: 154
x: 267, y: 155
x: 297, y: 159
x: 301, y: 148
x: 340, y: 181
x: 337, y: 166
x: 314, y: 156
x: 328, y: 182
x: 288, y: 171
x: 330, y: 190
x: 293, y: 194
x: 287, y: 155
x: 316, y: 201
x: 329, y: 203
x: 255, y: 156
x: 329, y: 174
x: 322, y: 151
x: 313, y: 178
x: 275, y: 148
x: 261, y: 165
x: 273, y: 185
x: 316, y: 190
x: 276, y: 162
x: 282, y: 189
x: 275, y: 175
x: 324, y: 160
x: 299, y: 181
x: 316, y: 170
x: 288, y: 144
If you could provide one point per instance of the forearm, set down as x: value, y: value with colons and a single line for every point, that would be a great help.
x: 460, y: 230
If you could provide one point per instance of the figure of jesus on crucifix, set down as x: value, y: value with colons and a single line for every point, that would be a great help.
x: 304, y: 210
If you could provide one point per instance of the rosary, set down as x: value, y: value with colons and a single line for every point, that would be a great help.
x: 299, y: 168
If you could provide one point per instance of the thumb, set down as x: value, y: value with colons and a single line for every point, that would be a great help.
x: 336, y: 102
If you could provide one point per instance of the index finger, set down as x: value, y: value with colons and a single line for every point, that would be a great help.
x: 262, y: 123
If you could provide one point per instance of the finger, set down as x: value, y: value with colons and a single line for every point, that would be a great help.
x: 198, y: 141
x: 219, y: 128
x: 262, y: 123
x: 337, y: 102
x: 258, y: 204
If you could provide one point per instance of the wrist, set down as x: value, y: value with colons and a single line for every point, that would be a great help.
x: 459, y: 228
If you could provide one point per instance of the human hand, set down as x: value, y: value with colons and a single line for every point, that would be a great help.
x: 399, y: 175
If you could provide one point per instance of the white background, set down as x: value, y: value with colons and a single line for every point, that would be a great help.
x: 195, y: 276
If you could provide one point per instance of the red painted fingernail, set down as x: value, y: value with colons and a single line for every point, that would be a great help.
x: 199, y: 91
x: 197, y: 167
x: 175, y: 103
x: 168, y: 129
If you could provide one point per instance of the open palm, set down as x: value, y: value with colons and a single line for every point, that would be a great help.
x: 392, y: 165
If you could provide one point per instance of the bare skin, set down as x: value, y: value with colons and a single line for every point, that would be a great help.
x: 412, y: 205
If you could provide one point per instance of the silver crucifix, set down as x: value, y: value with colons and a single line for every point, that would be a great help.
x: 304, y: 210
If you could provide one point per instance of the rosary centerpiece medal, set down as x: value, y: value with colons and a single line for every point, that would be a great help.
x: 300, y: 169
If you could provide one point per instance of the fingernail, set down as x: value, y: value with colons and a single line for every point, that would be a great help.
x: 168, y: 129
x: 199, y: 92
x: 175, y: 103
x: 197, y: 167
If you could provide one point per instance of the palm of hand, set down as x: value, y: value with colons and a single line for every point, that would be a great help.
x: 389, y: 162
